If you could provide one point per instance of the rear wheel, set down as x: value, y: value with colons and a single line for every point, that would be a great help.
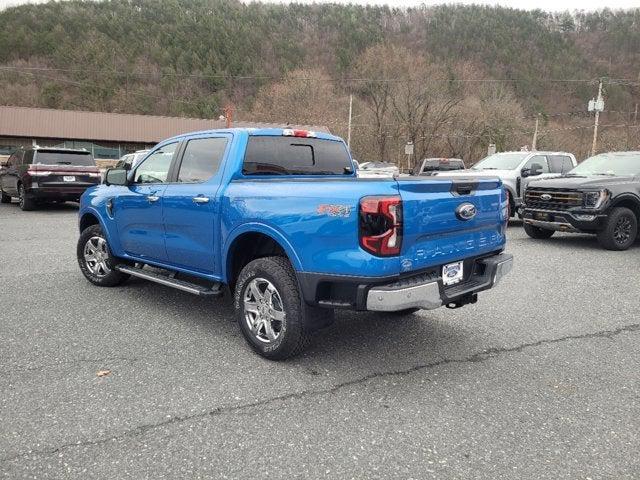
x: 5, y: 198
x: 620, y: 231
x: 95, y: 259
x: 537, y: 232
x: 25, y: 201
x: 273, y: 317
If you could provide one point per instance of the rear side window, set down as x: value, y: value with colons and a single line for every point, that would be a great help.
x: 201, y: 159
x: 44, y: 157
x: 560, y: 163
x: 295, y: 156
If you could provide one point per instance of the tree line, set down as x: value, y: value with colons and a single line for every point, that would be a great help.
x: 451, y: 79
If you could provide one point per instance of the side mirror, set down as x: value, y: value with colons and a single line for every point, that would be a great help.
x: 525, y: 172
x: 536, y: 169
x: 116, y: 176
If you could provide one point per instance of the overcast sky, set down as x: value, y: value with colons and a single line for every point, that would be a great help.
x: 555, y: 5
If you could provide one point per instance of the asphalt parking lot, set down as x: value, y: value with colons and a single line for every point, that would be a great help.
x: 539, y: 379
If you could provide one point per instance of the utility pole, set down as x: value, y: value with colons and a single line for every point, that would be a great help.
x: 596, y: 105
x: 534, y: 142
x: 349, y: 129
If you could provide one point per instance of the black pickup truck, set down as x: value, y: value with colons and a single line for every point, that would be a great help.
x: 600, y: 196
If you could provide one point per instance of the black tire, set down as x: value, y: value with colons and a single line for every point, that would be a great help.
x: 620, y: 230
x: 537, y: 232
x: 25, y: 201
x: 511, y: 206
x: 4, y: 198
x: 402, y: 313
x: 105, y: 275
x: 296, y: 320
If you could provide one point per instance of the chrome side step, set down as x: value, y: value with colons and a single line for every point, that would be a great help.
x: 189, y: 287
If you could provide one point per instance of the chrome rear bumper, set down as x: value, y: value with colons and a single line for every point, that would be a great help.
x: 488, y: 272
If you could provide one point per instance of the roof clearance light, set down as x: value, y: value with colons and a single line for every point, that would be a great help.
x: 287, y: 132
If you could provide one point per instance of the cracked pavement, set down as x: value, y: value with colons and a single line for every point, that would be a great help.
x: 539, y: 379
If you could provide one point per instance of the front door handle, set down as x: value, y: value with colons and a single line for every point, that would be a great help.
x: 153, y: 198
x: 200, y: 199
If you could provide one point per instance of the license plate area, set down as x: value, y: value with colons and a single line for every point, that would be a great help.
x: 452, y: 273
x: 69, y: 178
x: 543, y: 216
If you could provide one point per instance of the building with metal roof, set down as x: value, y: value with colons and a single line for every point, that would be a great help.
x: 106, y: 135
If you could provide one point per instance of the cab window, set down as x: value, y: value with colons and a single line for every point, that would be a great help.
x: 155, y: 169
x: 201, y: 159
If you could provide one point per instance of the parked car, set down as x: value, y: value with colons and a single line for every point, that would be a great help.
x: 37, y: 174
x: 516, y: 169
x: 432, y: 165
x: 377, y: 169
x: 599, y: 196
x: 279, y: 217
x: 130, y: 160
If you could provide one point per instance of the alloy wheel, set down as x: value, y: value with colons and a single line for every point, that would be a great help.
x: 622, y: 230
x: 263, y: 310
x: 96, y: 255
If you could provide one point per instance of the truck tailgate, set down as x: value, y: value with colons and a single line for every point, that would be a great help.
x: 435, y: 234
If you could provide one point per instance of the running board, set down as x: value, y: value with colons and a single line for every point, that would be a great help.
x: 189, y: 287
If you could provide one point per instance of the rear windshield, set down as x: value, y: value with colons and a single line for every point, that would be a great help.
x: 63, y: 158
x: 442, y: 164
x: 295, y: 156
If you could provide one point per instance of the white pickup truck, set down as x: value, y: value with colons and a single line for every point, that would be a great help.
x: 516, y: 169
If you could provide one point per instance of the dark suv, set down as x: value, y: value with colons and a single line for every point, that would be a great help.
x: 599, y: 196
x: 36, y: 175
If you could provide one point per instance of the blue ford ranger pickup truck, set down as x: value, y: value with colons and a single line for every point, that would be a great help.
x: 279, y: 217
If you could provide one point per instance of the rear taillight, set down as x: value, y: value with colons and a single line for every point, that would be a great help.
x: 381, y: 225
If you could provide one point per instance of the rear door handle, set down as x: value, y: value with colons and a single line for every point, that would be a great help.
x: 200, y: 199
x: 153, y: 198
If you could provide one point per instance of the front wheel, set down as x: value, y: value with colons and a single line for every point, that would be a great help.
x: 273, y: 317
x: 537, y: 232
x: 5, y: 198
x: 95, y: 259
x: 620, y: 230
x: 402, y: 313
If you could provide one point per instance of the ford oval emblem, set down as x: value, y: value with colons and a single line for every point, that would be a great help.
x: 466, y: 211
x: 545, y: 196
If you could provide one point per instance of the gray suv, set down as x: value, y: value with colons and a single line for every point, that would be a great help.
x: 516, y: 169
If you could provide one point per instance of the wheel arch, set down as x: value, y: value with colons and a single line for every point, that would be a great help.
x: 88, y: 219
x: 628, y: 201
x: 251, y: 242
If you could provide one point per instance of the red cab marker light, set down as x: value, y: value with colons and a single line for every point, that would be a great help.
x: 288, y: 132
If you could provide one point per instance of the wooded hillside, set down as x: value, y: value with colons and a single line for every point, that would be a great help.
x: 450, y: 78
